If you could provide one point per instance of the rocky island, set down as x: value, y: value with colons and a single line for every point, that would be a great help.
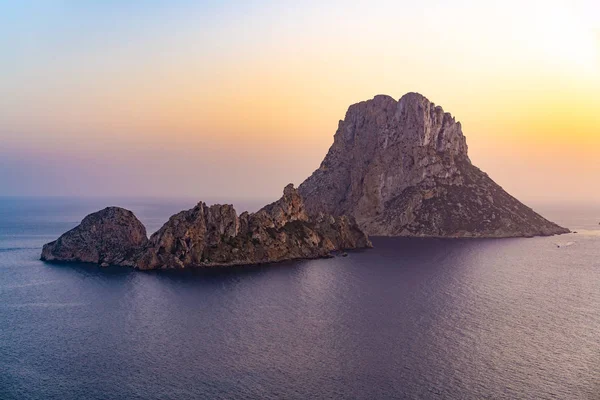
x: 396, y: 168
x: 401, y: 168
x: 208, y: 236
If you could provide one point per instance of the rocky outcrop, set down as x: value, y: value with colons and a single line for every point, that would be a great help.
x: 208, y: 236
x: 401, y: 168
x: 110, y: 236
x: 215, y: 236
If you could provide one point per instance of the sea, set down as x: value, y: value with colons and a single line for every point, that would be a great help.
x: 408, y: 319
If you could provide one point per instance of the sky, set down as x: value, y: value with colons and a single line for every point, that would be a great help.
x: 235, y: 99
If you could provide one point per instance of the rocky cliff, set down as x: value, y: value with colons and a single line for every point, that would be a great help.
x: 208, y: 236
x: 401, y: 168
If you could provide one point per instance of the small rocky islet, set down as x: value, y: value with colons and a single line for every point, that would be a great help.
x: 396, y: 168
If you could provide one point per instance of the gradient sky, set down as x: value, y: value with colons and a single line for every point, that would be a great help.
x: 207, y: 99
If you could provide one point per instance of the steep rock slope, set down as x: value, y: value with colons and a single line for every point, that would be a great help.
x: 401, y: 168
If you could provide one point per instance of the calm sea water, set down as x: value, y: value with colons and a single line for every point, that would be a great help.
x: 432, y: 319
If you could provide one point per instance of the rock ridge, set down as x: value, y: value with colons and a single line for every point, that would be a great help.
x: 209, y: 236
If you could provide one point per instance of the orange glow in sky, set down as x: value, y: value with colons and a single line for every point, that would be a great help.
x: 238, y: 101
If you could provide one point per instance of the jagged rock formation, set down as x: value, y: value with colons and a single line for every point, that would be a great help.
x: 401, y: 168
x: 110, y: 236
x: 216, y: 236
x: 210, y: 236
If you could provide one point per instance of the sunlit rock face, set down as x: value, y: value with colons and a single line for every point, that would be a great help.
x: 401, y: 168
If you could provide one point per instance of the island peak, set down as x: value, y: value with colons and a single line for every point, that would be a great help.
x: 402, y: 168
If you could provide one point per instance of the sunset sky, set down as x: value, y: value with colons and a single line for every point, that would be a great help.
x: 216, y: 99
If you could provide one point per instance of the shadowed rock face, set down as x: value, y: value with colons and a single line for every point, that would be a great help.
x: 110, y: 236
x: 208, y: 236
x: 401, y: 168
